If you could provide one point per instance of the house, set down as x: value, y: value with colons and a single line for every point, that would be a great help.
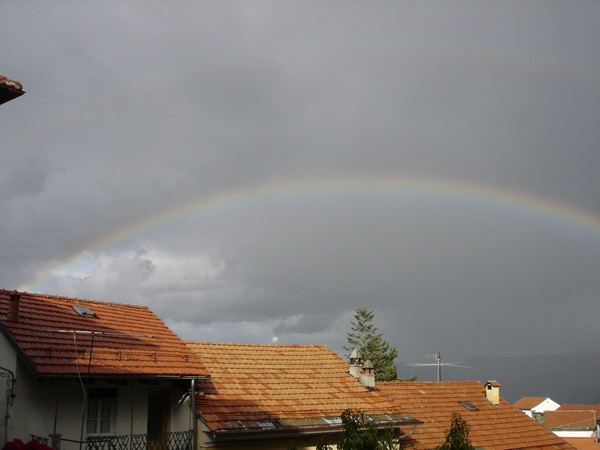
x: 9, y: 89
x: 582, y: 407
x: 83, y: 374
x: 578, y: 424
x: 494, y: 423
x: 533, y: 406
x: 269, y: 396
x: 571, y: 423
x: 95, y: 375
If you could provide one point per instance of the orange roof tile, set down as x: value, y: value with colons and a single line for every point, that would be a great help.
x: 582, y: 443
x: 529, y: 402
x: 121, y: 340
x: 570, y: 420
x: 288, y: 385
x: 499, y: 427
x: 580, y: 407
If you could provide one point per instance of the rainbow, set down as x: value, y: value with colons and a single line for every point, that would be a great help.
x: 425, y: 188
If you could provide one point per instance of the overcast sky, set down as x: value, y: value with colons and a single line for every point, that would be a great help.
x: 254, y: 171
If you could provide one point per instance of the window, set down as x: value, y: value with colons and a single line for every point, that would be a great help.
x: 470, y: 406
x: 101, y: 410
x: 84, y: 311
x: 333, y: 420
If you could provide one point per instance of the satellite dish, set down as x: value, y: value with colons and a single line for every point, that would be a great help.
x: 438, y: 363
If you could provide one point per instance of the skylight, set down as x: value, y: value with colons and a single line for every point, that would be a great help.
x: 84, y: 311
x: 470, y: 406
x: 266, y: 424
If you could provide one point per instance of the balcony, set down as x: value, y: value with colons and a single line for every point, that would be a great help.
x: 177, y: 440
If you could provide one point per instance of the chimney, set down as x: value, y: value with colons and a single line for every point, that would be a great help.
x: 492, y: 392
x: 13, y: 306
x: 367, y: 378
x: 356, y: 363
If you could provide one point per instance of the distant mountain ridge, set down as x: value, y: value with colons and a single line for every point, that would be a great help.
x: 565, y: 378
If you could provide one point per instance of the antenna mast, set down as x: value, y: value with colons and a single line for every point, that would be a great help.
x: 438, y: 363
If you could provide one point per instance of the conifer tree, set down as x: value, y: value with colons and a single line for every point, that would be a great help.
x: 365, y: 337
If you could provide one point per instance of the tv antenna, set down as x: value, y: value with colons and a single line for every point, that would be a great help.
x: 438, y: 363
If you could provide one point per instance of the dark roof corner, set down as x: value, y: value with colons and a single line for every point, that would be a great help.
x: 9, y: 89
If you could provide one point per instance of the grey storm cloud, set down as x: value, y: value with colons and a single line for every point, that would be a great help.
x: 136, y: 111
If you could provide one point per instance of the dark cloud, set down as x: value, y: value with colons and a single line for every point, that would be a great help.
x: 135, y: 109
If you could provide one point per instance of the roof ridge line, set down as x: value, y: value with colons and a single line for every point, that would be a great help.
x: 72, y: 299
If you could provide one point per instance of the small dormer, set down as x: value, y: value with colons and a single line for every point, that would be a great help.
x: 492, y: 392
x: 356, y: 363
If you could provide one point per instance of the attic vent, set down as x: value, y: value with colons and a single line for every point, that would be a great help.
x: 470, y: 406
x: 84, y: 311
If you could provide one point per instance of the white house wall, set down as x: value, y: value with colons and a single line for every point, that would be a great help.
x: 42, y: 407
x: 300, y: 442
x: 182, y: 417
x: 8, y: 356
x: 33, y: 406
x: 8, y: 360
x: 574, y: 434
x: 546, y: 405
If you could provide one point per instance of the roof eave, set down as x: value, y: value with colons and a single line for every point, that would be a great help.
x: 231, y: 435
x: 20, y: 353
x: 7, y: 93
x: 32, y: 367
x: 127, y: 376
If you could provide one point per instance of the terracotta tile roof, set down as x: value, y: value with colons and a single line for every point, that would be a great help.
x: 282, y: 386
x: 569, y: 420
x: 582, y: 443
x: 529, y: 402
x: 580, y: 407
x: 127, y: 340
x: 499, y: 427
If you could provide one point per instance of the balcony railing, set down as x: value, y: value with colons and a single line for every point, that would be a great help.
x: 177, y: 440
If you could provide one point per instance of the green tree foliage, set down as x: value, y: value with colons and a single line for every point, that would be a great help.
x: 457, y: 437
x: 412, y: 378
x: 365, y: 337
x: 321, y: 445
x: 359, y: 433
